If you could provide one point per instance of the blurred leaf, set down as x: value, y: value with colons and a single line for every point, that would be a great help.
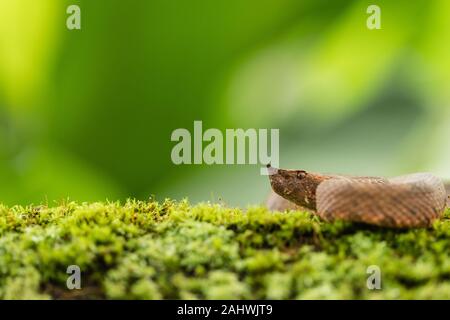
x: 46, y: 173
x: 29, y: 35
x: 327, y: 79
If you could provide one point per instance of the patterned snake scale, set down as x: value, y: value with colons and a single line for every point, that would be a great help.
x: 410, y: 201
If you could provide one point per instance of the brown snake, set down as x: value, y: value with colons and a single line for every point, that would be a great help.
x: 410, y: 201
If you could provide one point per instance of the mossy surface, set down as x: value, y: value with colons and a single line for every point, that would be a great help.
x: 150, y: 250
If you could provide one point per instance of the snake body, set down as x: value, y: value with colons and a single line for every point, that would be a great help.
x: 409, y: 201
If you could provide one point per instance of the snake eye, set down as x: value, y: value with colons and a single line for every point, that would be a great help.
x: 301, y: 174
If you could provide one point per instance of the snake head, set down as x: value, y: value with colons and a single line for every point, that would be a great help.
x: 297, y: 186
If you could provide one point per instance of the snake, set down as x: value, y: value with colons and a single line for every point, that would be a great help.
x: 410, y: 201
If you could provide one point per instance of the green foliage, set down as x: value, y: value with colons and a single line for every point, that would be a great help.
x: 89, y: 116
x: 151, y: 250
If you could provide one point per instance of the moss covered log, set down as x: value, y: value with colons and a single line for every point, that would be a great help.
x: 151, y: 250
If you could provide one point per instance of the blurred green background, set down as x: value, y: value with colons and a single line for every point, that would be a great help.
x: 87, y: 114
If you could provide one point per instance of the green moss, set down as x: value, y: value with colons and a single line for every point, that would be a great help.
x: 151, y: 250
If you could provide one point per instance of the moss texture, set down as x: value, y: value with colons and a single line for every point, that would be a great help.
x: 151, y: 250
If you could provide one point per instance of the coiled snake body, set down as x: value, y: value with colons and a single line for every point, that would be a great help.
x: 414, y: 200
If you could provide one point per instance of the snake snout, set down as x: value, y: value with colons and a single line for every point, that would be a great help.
x: 271, y: 170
